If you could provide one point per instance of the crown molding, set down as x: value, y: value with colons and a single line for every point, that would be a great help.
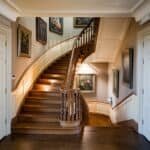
x: 86, y: 13
x: 7, y: 11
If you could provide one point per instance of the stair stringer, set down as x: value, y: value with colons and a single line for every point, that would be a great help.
x: 32, y: 73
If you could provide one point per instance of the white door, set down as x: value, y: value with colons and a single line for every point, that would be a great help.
x: 146, y: 87
x: 2, y: 83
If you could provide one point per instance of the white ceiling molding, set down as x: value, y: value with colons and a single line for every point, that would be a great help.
x: 142, y: 14
x: 93, y: 8
x: 8, y: 11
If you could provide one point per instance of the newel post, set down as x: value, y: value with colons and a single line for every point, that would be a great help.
x: 70, y: 115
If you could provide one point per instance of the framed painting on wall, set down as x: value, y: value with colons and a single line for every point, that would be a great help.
x: 86, y: 82
x: 41, y: 30
x: 23, y: 41
x: 81, y: 22
x: 116, y: 82
x: 127, y: 64
x: 56, y: 25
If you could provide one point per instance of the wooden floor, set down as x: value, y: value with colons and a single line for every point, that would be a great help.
x: 92, y: 138
x: 98, y: 120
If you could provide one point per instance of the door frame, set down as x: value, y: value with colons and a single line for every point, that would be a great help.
x: 8, y: 109
x: 139, y: 72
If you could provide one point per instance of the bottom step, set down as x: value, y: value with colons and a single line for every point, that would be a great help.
x: 27, y: 128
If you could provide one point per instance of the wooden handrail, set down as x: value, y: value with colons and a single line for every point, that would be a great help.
x: 123, y: 100
x: 83, y: 46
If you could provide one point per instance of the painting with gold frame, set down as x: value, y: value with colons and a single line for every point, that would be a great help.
x: 86, y: 83
x: 23, y: 41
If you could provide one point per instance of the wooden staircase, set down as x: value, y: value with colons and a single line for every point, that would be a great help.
x: 52, y: 106
x: 41, y: 109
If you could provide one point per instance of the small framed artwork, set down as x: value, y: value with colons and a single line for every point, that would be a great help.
x: 56, y: 25
x: 127, y: 64
x: 41, y: 30
x: 86, y: 82
x: 81, y: 22
x: 116, y: 82
x: 23, y: 41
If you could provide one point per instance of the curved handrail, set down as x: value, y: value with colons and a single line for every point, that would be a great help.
x: 84, y: 45
x: 123, y: 100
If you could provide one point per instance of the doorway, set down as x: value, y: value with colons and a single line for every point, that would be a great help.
x: 5, y: 80
x: 146, y: 86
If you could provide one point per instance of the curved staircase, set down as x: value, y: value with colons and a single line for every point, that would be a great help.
x: 52, y: 106
x: 41, y: 109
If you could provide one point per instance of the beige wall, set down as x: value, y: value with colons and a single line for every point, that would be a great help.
x: 101, y: 93
x: 20, y: 64
x: 129, y: 42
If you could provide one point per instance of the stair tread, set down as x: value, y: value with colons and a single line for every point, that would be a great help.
x: 44, y: 98
x: 52, y: 106
x: 39, y: 115
x: 43, y: 126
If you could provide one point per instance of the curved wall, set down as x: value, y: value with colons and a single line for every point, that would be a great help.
x: 34, y: 71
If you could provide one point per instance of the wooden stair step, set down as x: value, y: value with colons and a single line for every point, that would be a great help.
x: 53, y: 76
x: 39, y: 100
x: 64, y: 67
x: 57, y: 71
x: 43, y: 93
x: 46, y: 87
x: 42, y: 128
x: 38, y: 118
x: 50, y: 81
x: 39, y: 108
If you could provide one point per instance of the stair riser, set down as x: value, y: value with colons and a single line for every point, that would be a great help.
x: 46, y: 132
x: 44, y: 95
x: 38, y: 119
x: 40, y: 110
x: 45, y: 87
x: 39, y: 102
x: 56, y: 71
x: 49, y: 82
x: 49, y: 76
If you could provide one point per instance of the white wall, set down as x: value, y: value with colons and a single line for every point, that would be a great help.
x: 126, y: 111
x: 129, y: 42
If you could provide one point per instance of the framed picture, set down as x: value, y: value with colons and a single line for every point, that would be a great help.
x: 81, y: 22
x: 116, y: 82
x: 41, y: 30
x: 23, y: 41
x: 127, y: 63
x: 86, y: 82
x: 56, y: 25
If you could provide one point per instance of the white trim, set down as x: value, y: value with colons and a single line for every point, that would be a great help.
x: 7, y: 30
x: 97, y: 13
x: 139, y: 72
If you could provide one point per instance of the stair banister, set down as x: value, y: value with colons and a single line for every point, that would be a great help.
x: 84, y: 45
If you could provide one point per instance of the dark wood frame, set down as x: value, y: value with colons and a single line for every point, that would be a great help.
x: 116, y: 76
x: 53, y: 28
x: 41, y: 30
x: 80, y: 26
x: 130, y: 54
x: 19, y: 51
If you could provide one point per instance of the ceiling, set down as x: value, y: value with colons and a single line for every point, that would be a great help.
x: 75, y: 7
x: 110, y: 37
